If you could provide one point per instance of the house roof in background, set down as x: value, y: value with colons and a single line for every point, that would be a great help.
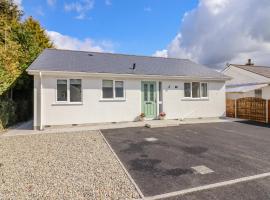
x: 261, y: 70
x: 245, y: 88
x: 93, y: 62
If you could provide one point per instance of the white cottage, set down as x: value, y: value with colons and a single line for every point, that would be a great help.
x: 248, y: 80
x: 78, y: 87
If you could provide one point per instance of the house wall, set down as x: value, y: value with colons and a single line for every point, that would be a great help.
x: 177, y: 107
x: 235, y: 95
x: 266, y: 92
x: 241, y: 76
x: 94, y: 110
x: 238, y: 95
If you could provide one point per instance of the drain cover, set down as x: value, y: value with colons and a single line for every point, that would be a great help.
x: 202, y: 169
x: 151, y: 139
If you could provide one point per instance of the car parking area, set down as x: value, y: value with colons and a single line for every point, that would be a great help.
x: 170, y: 159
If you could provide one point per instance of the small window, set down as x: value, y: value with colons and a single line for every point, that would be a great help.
x: 204, y: 90
x: 107, y: 89
x: 119, y: 89
x: 61, y: 90
x: 75, y: 90
x: 187, y: 89
x: 195, y: 90
x: 258, y: 93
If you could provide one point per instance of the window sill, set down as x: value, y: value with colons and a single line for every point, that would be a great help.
x: 67, y: 103
x: 112, y: 100
x: 195, y: 99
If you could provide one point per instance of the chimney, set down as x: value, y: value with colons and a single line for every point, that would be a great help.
x: 249, y: 63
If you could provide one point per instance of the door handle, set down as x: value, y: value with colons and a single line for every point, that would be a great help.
x: 148, y: 103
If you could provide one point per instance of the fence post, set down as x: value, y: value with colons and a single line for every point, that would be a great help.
x: 235, y: 108
x: 267, y: 111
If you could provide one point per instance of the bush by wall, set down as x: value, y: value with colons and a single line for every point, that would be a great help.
x: 12, y: 112
x: 7, y: 113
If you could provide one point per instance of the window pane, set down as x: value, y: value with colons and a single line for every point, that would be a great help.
x: 145, y: 92
x: 160, y: 91
x: 204, y: 90
x: 61, y: 90
x: 195, y: 90
x: 187, y: 90
x: 107, y: 89
x: 75, y: 90
x: 258, y: 93
x: 151, y: 92
x: 119, y: 89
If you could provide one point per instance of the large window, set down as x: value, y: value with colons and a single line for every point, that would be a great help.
x: 107, y: 89
x: 258, y: 93
x: 61, y: 90
x: 195, y: 90
x: 112, y: 89
x: 119, y: 89
x: 187, y: 89
x: 69, y: 90
x: 75, y: 90
x: 204, y: 90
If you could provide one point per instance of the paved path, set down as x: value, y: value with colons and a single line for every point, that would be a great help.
x: 26, y: 128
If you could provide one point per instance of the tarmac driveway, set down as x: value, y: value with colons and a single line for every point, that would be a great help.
x: 163, y: 160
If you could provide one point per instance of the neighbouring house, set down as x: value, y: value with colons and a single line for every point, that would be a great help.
x: 247, y: 80
x: 78, y: 87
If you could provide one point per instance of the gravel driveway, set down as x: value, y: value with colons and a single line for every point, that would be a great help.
x: 61, y: 166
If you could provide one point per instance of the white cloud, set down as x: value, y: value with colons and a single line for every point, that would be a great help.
x: 67, y: 42
x: 51, y: 2
x: 80, y: 7
x: 18, y: 3
x: 108, y: 2
x: 161, y: 53
x: 221, y: 31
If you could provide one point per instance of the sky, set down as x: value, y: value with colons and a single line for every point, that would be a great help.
x: 210, y: 32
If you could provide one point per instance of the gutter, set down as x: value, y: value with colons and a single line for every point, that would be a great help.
x: 87, y: 74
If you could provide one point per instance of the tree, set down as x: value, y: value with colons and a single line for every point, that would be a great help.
x: 20, y: 44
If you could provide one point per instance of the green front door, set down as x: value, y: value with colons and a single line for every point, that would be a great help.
x: 149, y: 97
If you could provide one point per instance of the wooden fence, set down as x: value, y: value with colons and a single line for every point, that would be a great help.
x: 230, y: 108
x: 250, y: 108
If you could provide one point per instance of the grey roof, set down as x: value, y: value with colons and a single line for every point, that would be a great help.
x: 93, y: 62
x: 261, y: 70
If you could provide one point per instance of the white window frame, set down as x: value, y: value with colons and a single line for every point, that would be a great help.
x: 207, y: 91
x: 68, y: 92
x: 114, y: 97
x: 197, y: 98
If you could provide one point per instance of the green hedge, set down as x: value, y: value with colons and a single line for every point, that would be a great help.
x: 7, y: 113
x: 12, y: 112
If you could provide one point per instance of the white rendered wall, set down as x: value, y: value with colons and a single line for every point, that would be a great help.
x: 241, y: 76
x: 266, y: 92
x: 94, y: 110
x: 239, y: 95
x: 177, y: 107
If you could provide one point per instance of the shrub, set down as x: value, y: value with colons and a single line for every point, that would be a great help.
x: 12, y: 112
x: 7, y: 113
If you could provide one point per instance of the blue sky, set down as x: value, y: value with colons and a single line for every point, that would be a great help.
x: 123, y: 26
x: 210, y: 32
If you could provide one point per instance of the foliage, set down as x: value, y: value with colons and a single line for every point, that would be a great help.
x: 7, y: 113
x: 21, y: 41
